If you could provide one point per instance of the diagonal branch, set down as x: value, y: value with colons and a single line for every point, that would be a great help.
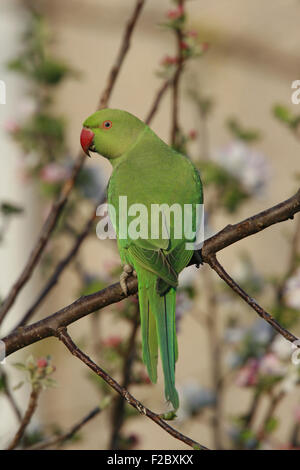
x: 232, y: 233
x: 121, y: 55
x: 59, y: 440
x: 175, y: 85
x: 33, y: 401
x: 58, y: 206
x: 53, y: 280
x: 218, y: 268
x: 43, y: 238
x: 63, y: 335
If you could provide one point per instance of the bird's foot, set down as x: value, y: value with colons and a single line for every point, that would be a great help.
x: 127, y: 272
x: 198, y: 258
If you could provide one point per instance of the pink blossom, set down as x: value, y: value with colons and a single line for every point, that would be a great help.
x: 133, y: 440
x: 270, y: 365
x: 42, y: 362
x: 297, y: 414
x: 11, y: 126
x: 54, y: 173
x: 183, y: 45
x: 205, y: 46
x: 168, y: 60
x: 176, y: 13
x: 192, y: 134
x: 112, y: 342
x: 248, y: 374
x: 192, y: 34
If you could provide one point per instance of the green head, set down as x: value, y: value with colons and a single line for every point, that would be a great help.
x: 110, y: 132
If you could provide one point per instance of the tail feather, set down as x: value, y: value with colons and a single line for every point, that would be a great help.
x: 158, y: 328
x: 164, y: 313
x: 149, y: 334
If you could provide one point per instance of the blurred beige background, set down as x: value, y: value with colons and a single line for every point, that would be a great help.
x: 252, y: 61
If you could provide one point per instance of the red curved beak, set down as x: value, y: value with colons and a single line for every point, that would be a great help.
x: 86, y: 139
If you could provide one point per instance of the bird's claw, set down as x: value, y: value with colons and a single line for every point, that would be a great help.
x: 127, y: 272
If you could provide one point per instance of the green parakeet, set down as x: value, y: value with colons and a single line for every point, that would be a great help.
x: 150, y: 174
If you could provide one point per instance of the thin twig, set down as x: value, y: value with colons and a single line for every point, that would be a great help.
x: 53, y: 280
x: 119, y: 408
x: 56, y: 441
x: 43, y: 238
x: 232, y: 233
x: 216, y: 266
x: 121, y: 55
x: 275, y: 400
x: 216, y: 355
x: 33, y: 400
x: 175, y: 85
x: 293, y: 261
x: 157, y: 99
x: 58, y: 206
x: 63, y: 335
x: 10, y: 396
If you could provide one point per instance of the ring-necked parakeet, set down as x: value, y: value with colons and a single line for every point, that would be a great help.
x: 149, y: 172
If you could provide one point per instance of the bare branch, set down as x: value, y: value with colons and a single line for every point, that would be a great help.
x: 121, y: 55
x: 157, y: 99
x: 52, y: 281
x: 56, y: 441
x: 58, y: 206
x: 216, y: 266
x: 233, y: 233
x: 30, y: 334
x: 119, y: 408
x: 43, y: 238
x: 175, y: 85
x: 27, y: 417
x: 66, y: 339
x: 9, y: 395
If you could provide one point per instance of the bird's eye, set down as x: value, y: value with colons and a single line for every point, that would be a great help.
x: 106, y: 125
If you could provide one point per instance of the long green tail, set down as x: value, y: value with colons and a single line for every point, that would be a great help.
x: 158, y: 327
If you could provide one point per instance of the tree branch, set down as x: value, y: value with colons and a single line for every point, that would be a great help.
x: 59, y: 440
x: 58, y: 206
x: 27, y: 417
x: 47, y: 327
x: 216, y: 266
x: 121, y: 55
x: 9, y: 395
x: 175, y: 84
x: 52, y: 281
x: 119, y: 408
x: 233, y: 233
x: 63, y: 335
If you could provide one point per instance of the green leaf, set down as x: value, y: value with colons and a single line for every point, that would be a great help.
x: 19, y: 385
x: 247, y: 135
x: 2, y: 384
x: 105, y: 402
x: 169, y: 416
x: 283, y: 114
x: 271, y: 424
x: 8, y: 208
x: 92, y: 287
x: 20, y: 366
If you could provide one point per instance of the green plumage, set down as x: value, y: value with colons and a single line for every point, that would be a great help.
x: 147, y: 171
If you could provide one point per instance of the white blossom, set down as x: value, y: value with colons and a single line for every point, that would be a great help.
x: 292, y: 291
x: 246, y: 164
